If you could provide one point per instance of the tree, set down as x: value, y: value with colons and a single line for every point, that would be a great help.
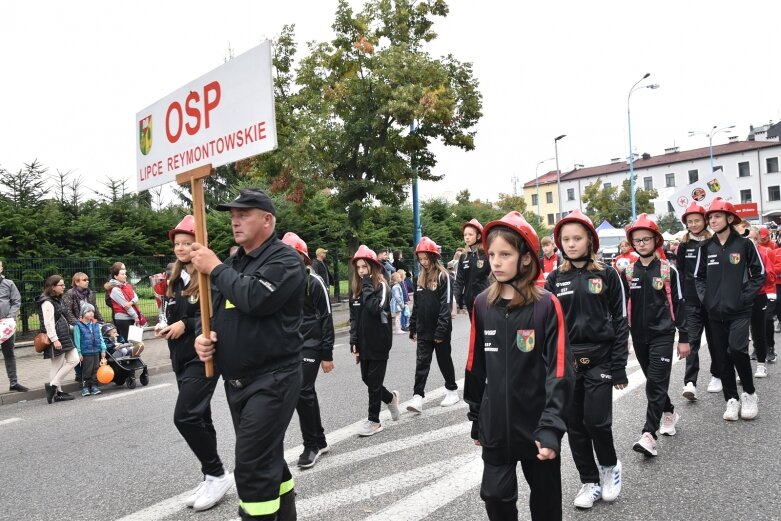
x: 614, y: 206
x: 508, y: 203
x: 670, y: 223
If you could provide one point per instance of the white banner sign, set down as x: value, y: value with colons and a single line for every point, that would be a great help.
x: 703, y: 192
x: 223, y: 116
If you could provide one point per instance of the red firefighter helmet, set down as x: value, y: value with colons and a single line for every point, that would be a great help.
x: 365, y: 253
x: 644, y: 223
x: 720, y: 205
x: 296, y: 242
x: 187, y: 225
x: 515, y: 222
x: 426, y: 245
x: 474, y: 223
x: 576, y: 216
x: 692, y: 209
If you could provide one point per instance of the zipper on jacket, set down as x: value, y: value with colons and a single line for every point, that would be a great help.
x: 508, y: 348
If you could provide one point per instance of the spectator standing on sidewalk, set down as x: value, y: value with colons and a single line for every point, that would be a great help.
x: 320, y: 266
x: 123, y: 299
x: 72, y: 301
x: 10, y: 302
x: 92, y: 350
x: 61, y: 352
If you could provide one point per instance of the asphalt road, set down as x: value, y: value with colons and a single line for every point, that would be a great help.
x: 118, y: 456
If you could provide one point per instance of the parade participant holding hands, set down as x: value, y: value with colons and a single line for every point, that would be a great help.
x: 518, y: 376
x: 431, y: 325
x: 473, y: 268
x: 592, y: 297
x: 655, y: 311
x: 318, y: 331
x: 192, y: 412
x: 370, y: 334
x: 257, y: 298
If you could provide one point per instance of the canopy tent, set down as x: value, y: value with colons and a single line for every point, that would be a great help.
x: 605, y: 226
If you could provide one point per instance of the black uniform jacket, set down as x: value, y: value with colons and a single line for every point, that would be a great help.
x: 594, y: 307
x: 471, y: 277
x: 257, y: 300
x: 184, y: 359
x: 687, y: 262
x: 729, y: 276
x: 370, y: 322
x: 317, y: 325
x: 650, y: 309
x: 519, y: 378
x: 431, y: 312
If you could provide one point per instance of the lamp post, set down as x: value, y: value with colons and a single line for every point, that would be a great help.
x: 558, y: 171
x: 713, y: 131
x: 537, y: 184
x: 631, y: 154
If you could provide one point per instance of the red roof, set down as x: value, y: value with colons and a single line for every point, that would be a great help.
x: 549, y: 177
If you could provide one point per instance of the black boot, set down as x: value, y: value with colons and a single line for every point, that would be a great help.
x: 51, y: 390
x: 287, y: 507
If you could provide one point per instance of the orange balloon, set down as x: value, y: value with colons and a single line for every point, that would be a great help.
x: 105, y: 374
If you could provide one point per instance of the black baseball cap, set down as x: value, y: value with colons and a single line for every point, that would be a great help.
x: 250, y: 198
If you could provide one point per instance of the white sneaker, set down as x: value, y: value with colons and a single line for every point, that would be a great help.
x: 589, y: 492
x: 690, y: 392
x: 714, y: 386
x: 213, y: 491
x: 393, y: 406
x: 451, y: 398
x: 733, y: 410
x: 416, y: 404
x: 369, y: 428
x: 761, y: 371
x: 610, y: 479
x: 749, y: 406
x: 646, y: 445
x: 190, y: 501
x: 669, y: 420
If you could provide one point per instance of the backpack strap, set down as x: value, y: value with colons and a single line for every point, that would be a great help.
x: 664, y: 270
x: 629, y: 273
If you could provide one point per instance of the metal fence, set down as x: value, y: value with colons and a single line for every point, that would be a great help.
x: 29, y: 275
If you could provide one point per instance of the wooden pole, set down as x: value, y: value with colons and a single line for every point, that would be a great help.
x: 195, y: 177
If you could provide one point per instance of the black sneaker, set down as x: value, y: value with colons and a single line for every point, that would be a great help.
x: 308, y: 458
x: 51, y: 390
x: 324, y: 447
x: 62, y: 397
x: 771, y: 357
x: 19, y: 388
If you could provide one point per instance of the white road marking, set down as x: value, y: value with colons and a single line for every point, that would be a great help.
x: 130, y: 392
x: 9, y: 421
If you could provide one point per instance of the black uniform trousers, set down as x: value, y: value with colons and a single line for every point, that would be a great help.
x: 499, y: 489
x: 730, y: 337
x: 770, y: 337
x: 308, y: 407
x: 426, y: 349
x: 193, y: 420
x: 261, y: 408
x: 697, y: 320
x: 655, y: 357
x: 590, y: 425
x: 759, y: 327
x: 373, y: 375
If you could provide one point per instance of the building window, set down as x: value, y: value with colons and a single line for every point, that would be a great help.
x: 549, y: 197
x: 607, y: 185
x: 563, y: 215
x: 551, y: 219
x: 773, y: 193
x: 669, y: 180
x: 534, y: 200
x: 743, y: 169
x: 648, y: 183
x: 718, y: 167
x: 745, y: 196
x: 570, y: 194
x: 670, y: 208
x: 694, y: 176
x: 772, y: 165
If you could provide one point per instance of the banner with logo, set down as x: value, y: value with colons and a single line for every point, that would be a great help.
x: 223, y: 116
x: 703, y: 192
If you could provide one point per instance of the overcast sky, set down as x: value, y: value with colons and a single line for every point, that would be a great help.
x: 74, y: 74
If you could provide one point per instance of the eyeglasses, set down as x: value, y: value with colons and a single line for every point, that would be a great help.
x: 642, y: 240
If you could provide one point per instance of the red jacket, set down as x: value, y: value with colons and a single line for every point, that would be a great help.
x: 769, y: 259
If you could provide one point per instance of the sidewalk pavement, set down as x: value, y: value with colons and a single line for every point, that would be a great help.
x: 33, y: 369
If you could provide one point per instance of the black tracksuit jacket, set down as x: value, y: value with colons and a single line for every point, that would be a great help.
x: 728, y: 276
x: 184, y: 359
x: 471, y: 277
x: 370, y: 322
x: 650, y: 310
x: 517, y: 395
x: 431, y: 312
x: 594, y: 307
x: 317, y: 324
x: 687, y: 263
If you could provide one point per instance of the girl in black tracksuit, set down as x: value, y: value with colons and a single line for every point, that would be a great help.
x: 518, y: 380
x: 592, y: 297
x: 431, y: 324
x: 371, y: 335
x: 473, y: 268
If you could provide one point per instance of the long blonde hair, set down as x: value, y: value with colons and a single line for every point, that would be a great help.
x: 428, y: 277
x: 375, y: 272
x: 176, y: 273
x: 593, y: 263
x: 526, y: 289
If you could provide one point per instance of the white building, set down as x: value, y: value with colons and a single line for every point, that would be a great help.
x: 751, y: 167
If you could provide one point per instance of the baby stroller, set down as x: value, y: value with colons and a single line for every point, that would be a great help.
x: 124, y: 359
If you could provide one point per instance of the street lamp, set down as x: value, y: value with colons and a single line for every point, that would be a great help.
x: 558, y: 172
x: 537, y: 184
x: 631, y: 154
x: 709, y: 135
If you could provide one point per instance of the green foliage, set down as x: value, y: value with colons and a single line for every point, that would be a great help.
x: 670, y: 223
x: 614, y: 206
